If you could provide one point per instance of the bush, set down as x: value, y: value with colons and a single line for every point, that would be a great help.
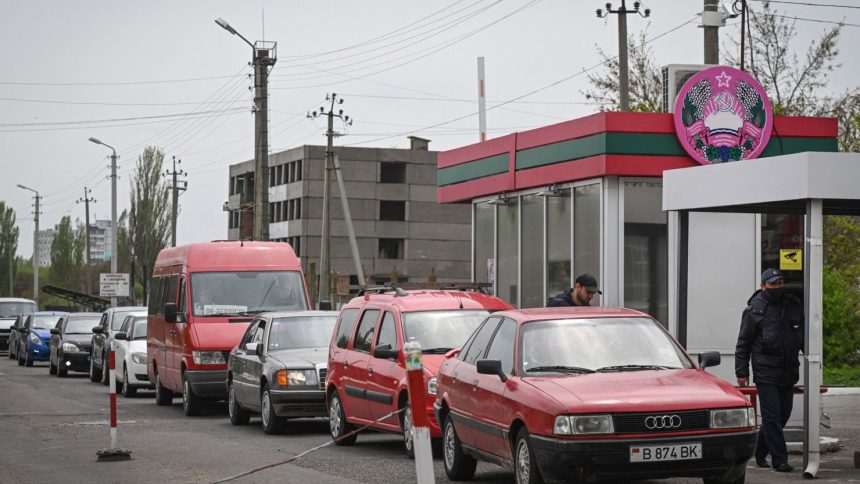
x: 842, y: 376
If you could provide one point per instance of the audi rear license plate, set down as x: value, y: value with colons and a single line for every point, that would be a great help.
x: 661, y: 453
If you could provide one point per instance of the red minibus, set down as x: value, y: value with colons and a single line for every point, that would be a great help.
x: 201, y: 299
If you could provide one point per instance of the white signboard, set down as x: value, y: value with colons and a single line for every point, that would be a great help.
x: 113, y: 284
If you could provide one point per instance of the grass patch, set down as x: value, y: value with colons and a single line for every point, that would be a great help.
x: 842, y: 376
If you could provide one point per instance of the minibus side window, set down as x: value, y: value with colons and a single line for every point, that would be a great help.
x: 182, y: 295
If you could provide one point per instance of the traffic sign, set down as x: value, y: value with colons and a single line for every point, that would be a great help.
x: 114, y: 284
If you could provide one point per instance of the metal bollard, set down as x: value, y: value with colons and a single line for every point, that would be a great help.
x: 420, y: 421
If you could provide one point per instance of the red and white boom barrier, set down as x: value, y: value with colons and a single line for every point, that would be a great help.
x: 420, y: 420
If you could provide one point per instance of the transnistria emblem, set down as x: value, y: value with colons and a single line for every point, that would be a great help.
x: 722, y: 114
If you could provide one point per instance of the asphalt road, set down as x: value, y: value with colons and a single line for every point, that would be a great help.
x: 51, y: 429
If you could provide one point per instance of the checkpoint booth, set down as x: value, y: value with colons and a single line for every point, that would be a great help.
x: 808, y: 185
x: 588, y: 196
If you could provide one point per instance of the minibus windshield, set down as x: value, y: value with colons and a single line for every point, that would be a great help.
x: 246, y: 292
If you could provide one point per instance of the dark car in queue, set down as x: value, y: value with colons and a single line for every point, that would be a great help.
x: 34, y: 337
x: 589, y: 393
x: 69, y: 349
x: 278, y: 369
x: 14, y: 331
x: 10, y: 309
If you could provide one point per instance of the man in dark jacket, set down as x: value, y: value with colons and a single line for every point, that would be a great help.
x: 771, y: 335
x: 584, y: 288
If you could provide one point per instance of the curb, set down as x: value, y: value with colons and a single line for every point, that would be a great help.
x: 828, y: 444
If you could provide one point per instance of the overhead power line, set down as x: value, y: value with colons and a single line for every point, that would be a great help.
x: 126, y: 83
x: 808, y: 4
x: 119, y: 120
x: 831, y: 22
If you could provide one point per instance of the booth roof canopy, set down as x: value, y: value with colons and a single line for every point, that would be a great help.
x: 779, y: 184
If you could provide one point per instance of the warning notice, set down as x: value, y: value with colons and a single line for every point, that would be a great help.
x: 790, y: 259
x: 113, y: 284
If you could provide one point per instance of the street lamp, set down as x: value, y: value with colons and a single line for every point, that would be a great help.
x: 112, y: 211
x: 264, y: 56
x: 35, y: 246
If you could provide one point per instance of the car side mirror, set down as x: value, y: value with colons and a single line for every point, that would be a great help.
x: 259, y: 350
x: 251, y: 347
x: 710, y: 358
x: 491, y: 367
x: 55, y: 331
x: 385, y: 352
x: 121, y: 336
x: 170, y: 312
x: 98, y: 330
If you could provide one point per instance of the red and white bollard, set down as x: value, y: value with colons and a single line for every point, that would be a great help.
x: 113, y: 453
x: 420, y: 421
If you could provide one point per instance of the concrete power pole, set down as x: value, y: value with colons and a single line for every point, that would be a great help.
x: 175, y: 188
x: 324, y: 299
x: 35, y: 244
x: 623, y: 81
x: 712, y: 20
x: 86, y: 201
x: 263, y: 59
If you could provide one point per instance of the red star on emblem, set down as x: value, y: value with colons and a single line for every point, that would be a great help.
x: 723, y: 79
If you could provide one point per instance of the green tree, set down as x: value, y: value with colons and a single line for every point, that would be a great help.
x: 842, y: 314
x: 149, y: 220
x: 8, y: 247
x: 63, y: 252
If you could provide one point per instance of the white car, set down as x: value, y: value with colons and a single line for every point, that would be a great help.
x: 130, y: 352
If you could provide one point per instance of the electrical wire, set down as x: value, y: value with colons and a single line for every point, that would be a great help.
x: 833, y: 5
x: 831, y: 22
x: 127, y: 83
x: 564, y: 79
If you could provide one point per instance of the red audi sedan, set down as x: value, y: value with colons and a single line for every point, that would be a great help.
x: 589, y: 393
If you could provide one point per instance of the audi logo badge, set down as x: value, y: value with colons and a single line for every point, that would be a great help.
x: 662, y: 422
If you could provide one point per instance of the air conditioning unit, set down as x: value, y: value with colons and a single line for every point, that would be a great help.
x: 674, y: 77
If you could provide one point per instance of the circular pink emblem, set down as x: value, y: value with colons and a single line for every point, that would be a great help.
x: 722, y: 114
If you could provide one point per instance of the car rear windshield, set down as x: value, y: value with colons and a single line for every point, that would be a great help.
x: 81, y: 326
x: 301, y: 332
x: 10, y: 309
x: 440, y: 331
x: 229, y: 293
x: 119, y: 318
x: 598, y: 344
x: 44, y: 322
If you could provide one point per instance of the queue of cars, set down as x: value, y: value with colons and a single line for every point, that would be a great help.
x: 573, y: 394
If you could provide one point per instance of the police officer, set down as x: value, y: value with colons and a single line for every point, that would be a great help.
x: 771, y: 335
x: 583, y: 290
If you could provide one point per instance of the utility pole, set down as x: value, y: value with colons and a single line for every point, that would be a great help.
x: 86, y: 201
x: 711, y: 23
x: 623, y: 81
x: 264, y: 56
x: 36, y: 213
x: 324, y: 299
x: 175, y: 188
x: 113, y: 254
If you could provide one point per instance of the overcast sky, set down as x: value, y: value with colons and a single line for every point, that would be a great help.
x: 162, y: 73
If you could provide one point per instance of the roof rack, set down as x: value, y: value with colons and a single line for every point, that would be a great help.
x: 400, y: 288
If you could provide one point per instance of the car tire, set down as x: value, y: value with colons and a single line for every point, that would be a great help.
x: 406, y: 429
x: 458, y: 465
x: 52, y: 369
x: 20, y: 359
x: 238, y: 415
x: 128, y: 391
x: 62, y: 372
x: 525, y: 466
x: 191, y: 403
x: 163, y: 396
x: 95, y: 373
x: 106, y: 370
x: 339, y: 428
x: 272, y: 424
x: 27, y: 360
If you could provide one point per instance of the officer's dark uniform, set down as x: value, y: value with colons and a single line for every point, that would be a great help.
x: 771, y: 335
x: 564, y: 298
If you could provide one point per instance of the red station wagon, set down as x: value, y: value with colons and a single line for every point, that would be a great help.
x: 580, y: 394
x: 366, y: 377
